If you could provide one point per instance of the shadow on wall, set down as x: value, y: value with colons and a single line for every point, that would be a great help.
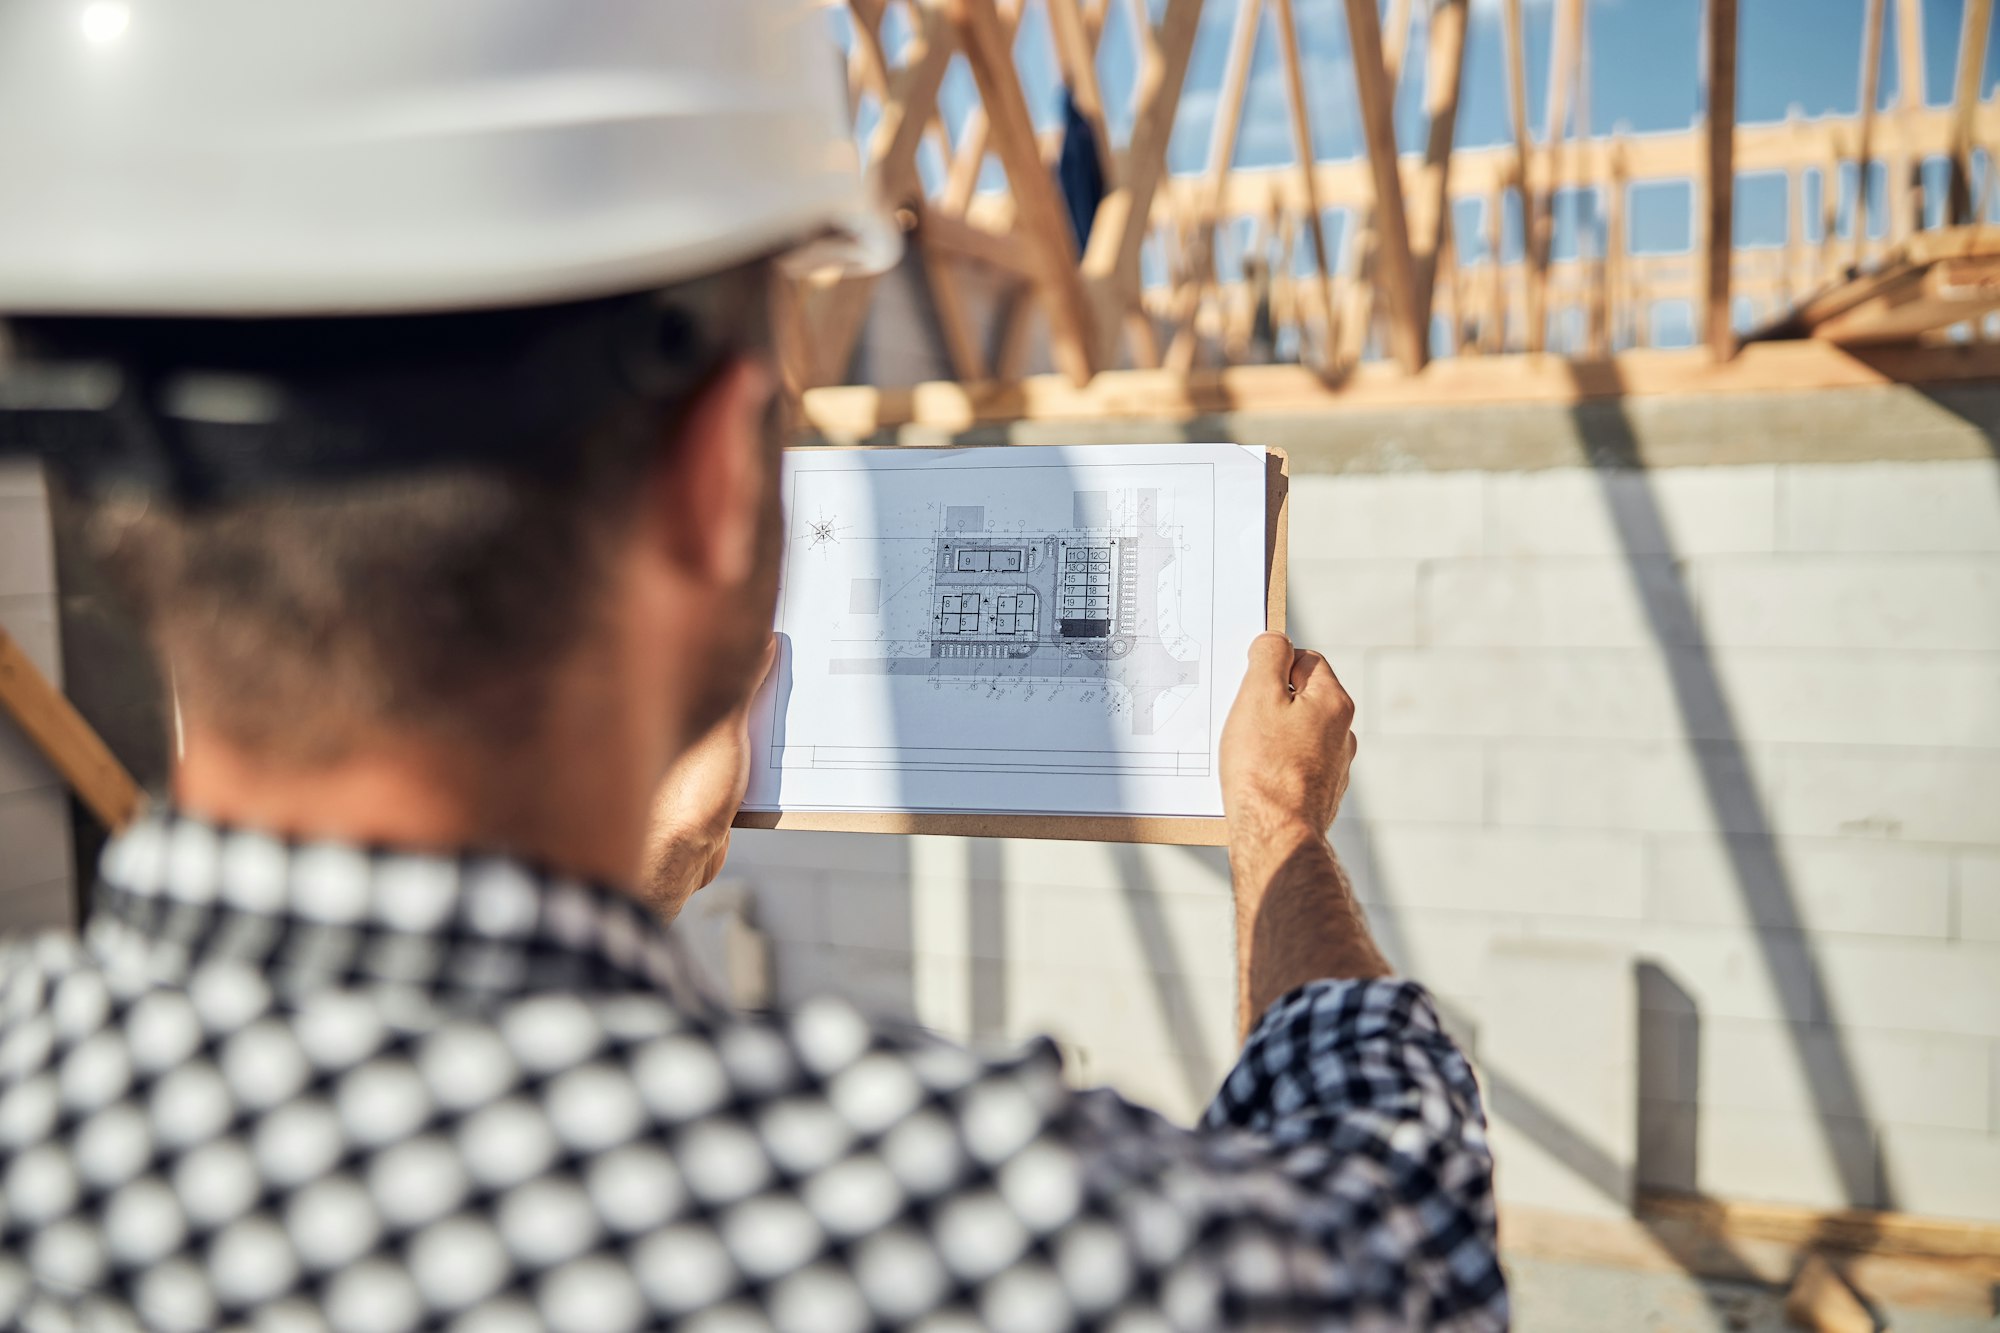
x: 1715, y: 741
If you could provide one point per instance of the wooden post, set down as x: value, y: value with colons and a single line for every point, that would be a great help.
x: 1493, y: 334
x: 65, y: 739
x: 1315, y: 225
x: 1395, y: 270
x: 1443, y: 75
x: 1077, y: 55
x: 1524, y: 148
x: 1611, y: 267
x: 1871, y: 73
x: 1965, y: 106
x: 1041, y: 215
x: 1111, y: 257
x: 1221, y: 153
x: 1910, y: 54
x: 969, y: 157
x: 1719, y: 46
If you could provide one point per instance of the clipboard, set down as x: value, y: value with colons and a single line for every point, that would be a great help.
x: 1177, y: 830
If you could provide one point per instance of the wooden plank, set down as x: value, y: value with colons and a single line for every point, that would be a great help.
x: 1820, y: 1301
x: 1493, y: 331
x: 1076, y: 53
x: 1965, y: 106
x: 1044, y: 221
x: 1443, y: 79
x: 912, y: 99
x: 1933, y: 298
x: 1313, y: 217
x: 1910, y: 55
x: 1111, y: 259
x: 1719, y: 175
x: 1610, y: 266
x: 1524, y: 157
x: 1858, y: 1230
x: 954, y: 236
x: 72, y: 748
x: 1871, y: 74
x: 1221, y: 153
x: 1395, y: 269
x: 968, y: 361
x: 969, y: 157
x: 1395, y: 41
x: 1675, y: 156
x: 1154, y: 396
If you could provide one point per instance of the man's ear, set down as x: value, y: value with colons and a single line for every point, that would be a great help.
x: 710, y: 490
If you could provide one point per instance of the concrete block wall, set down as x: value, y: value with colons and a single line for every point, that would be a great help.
x: 37, y: 881
x: 1740, y: 724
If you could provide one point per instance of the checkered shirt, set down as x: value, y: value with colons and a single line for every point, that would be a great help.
x: 311, y: 1086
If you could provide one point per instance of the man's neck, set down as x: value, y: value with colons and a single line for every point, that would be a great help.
x: 585, y: 820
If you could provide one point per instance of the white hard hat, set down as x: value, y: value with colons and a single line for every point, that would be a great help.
x: 316, y: 157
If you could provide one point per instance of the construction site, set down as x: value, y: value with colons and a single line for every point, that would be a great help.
x: 1638, y: 367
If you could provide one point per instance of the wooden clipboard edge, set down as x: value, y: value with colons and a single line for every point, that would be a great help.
x: 1181, y: 831
x: 1185, y: 831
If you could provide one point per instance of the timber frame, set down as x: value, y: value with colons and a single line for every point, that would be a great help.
x: 1408, y: 293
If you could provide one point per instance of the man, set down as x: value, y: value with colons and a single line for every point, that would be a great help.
x: 415, y: 360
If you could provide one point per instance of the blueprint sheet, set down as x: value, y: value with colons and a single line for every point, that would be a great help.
x: 1025, y: 630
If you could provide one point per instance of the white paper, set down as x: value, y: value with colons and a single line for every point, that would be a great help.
x: 1027, y: 629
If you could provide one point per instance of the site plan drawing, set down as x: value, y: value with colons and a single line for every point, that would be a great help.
x: 1054, y: 630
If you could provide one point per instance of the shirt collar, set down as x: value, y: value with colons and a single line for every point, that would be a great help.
x: 175, y: 892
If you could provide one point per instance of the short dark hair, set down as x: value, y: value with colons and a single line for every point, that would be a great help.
x: 438, y: 595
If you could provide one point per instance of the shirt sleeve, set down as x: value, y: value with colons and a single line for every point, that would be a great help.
x: 1362, y: 1099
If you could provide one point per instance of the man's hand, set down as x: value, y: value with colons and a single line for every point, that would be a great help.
x: 1287, y: 747
x: 689, y: 837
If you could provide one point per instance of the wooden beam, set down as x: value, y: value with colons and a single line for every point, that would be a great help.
x: 954, y: 236
x: 72, y: 748
x: 1111, y: 259
x: 968, y: 361
x: 1524, y: 157
x: 1493, y: 330
x: 1910, y: 54
x: 968, y: 159
x: 1313, y: 218
x: 1856, y: 1230
x: 1443, y: 78
x: 913, y: 92
x: 1935, y: 297
x: 1719, y: 174
x: 1221, y: 154
x: 1965, y: 107
x: 1076, y: 53
x: 1674, y: 156
x: 1871, y: 74
x: 1803, y: 365
x: 1395, y: 41
x: 1044, y: 221
x: 1395, y: 271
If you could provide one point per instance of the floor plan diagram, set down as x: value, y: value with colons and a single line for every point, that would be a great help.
x: 1007, y: 629
x: 1081, y: 603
